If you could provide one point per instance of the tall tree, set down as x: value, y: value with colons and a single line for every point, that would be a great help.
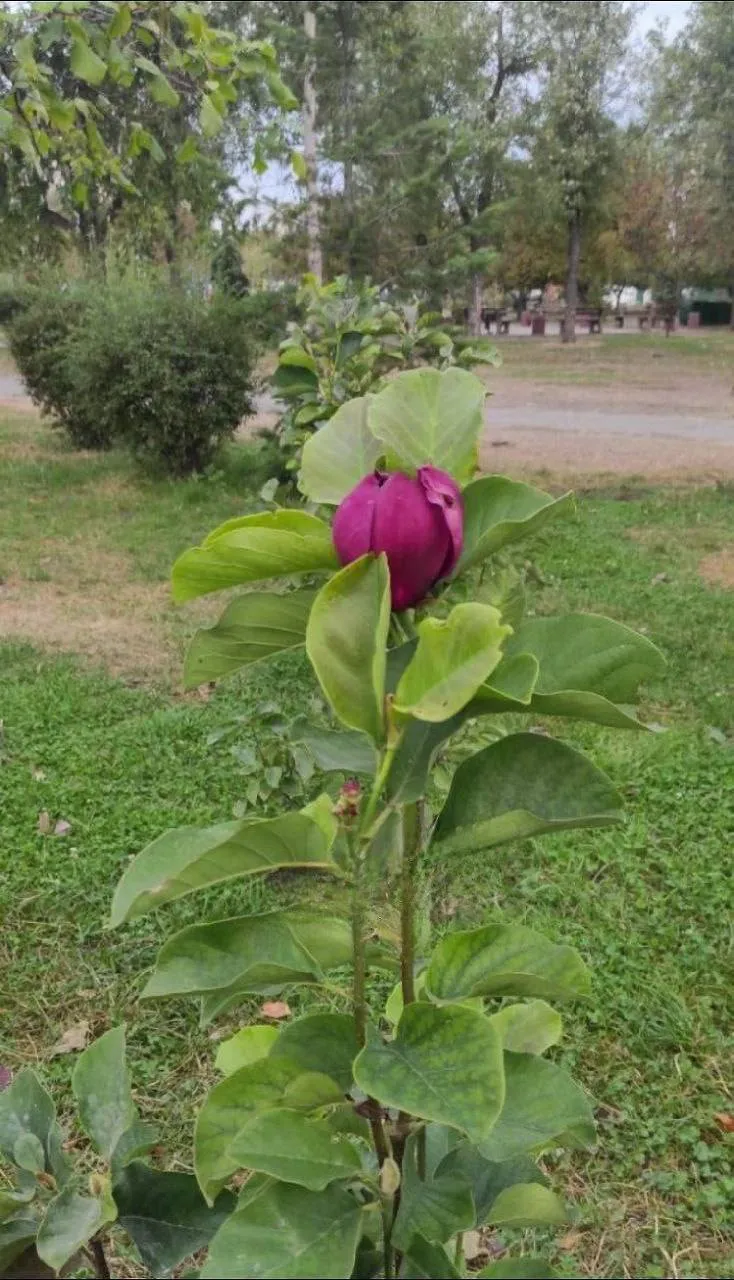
x: 585, y: 44
x: 315, y: 260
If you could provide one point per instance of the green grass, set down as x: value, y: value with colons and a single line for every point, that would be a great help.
x: 620, y: 358
x: 649, y: 905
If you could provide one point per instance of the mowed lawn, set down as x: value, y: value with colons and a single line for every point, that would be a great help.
x: 97, y: 734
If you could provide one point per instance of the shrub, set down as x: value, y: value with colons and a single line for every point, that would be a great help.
x: 39, y: 333
x: 268, y: 313
x: 164, y: 372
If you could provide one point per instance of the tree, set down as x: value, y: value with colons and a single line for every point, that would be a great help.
x: 586, y: 40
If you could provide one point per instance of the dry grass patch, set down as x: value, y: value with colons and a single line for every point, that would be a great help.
x: 717, y: 569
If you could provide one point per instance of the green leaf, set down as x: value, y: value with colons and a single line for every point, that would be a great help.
x: 445, y: 1064
x: 247, y: 953
x: 101, y: 1085
x: 85, y: 64
x: 453, y: 658
x: 286, y: 1232
x: 426, y: 1261
x: 190, y: 858
x: 272, y: 544
x: 335, y: 750
x: 410, y: 774
x: 121, y: 22
x: 29, y: 1153
x: 518, y: 1269
x: 25, y: 1108
x: 527, y: 1204
x: 543, y: 1108
x: 166, y: 1216
x: 297, y: 357
x: 346, y: 642
x: 294, y: 1148
x: 587, y: 664
x: 424, y: 416
x: 249, y: 1045
x: 15, y: 1238
x: 210, y: 119
x: 12, y: 1202
x: 289, y: 382
x: 161, y: 90
x: 322, y: 1042
x: 498, y: 511
x: 521, y: 786
x: 436, y: 1208
x: 299, y: 166
x: 485, y: 1177
x: 528, y: 1028
x: 504, y: 960
x: 340, y: 454
x: 70, y: 1221
x: 252, y: 628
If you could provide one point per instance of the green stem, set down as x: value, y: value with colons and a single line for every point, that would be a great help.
x: 459, y: 1251
x: 412, y: 830
x: 378, y: 786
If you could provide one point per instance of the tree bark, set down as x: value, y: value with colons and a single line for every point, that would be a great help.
x: 572, y: 278
x: 475, y: 309
x: 313, y: 229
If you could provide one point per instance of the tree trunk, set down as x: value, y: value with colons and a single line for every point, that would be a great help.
x: 572, y: 278
x: 475, y: 307
x: 313, y: 230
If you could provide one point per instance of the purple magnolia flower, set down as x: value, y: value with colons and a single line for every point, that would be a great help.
x: 418, y: 521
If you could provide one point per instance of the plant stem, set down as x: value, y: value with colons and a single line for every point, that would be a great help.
x: 412, y: 830
x: 370, y: 809
x: 359, y: 996
x: 100, y: 1261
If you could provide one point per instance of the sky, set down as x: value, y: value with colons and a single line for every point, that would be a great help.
x: 671, y: 11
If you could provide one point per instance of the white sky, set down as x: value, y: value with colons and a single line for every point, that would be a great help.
x: 673, y: 12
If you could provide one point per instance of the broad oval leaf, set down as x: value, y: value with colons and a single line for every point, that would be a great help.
x: 247, y: 953
x: 85, y: 64
x: 504, y: 960
x: 190, y: 858
x: 288, y: 382
x: 340, y: 454
x: 262, y: 1086
x: 346, y: 642
x: 272, y: 544
x: 528, y: 1028
x: 527, y: 1204
x: 15, y: 1237
x: 287, y: 1232
x: 498, y: 511
x: 26, y: 1108
x: 70, y: 1221
x: 166, y: 1216
x: 424, y: 416
x: 323, y: 1042
x: 452, y: 659
x: 294, y: 1148
x: 335, y: 750
x: 435, y: 1208
x: 445, y: 1064
x: 247, y: 1046
x: 487, y: 1178
x: 523, y: 785
x: 543, y: 1108
x: 101, y: 1085
x: 252, y: 628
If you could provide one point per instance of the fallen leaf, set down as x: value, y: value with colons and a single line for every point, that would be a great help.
x: 44, y: 823
x: 275, y: 1009
x: 38, y: 775
x: 571, y: 1240
x: 717, y: 735
x: 474, y: 1245
x: 659, y: 578
x: 724, y: 1121
x: 62, y: 827
x: 73, y: 1040
x: 205, y: 691
x: 6, y: 1077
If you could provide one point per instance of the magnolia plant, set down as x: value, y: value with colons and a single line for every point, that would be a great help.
x: 366, y: 1140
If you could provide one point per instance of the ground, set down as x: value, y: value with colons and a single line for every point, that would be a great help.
x: 98, y: 735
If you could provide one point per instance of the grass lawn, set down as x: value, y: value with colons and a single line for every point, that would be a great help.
x: 85, y: 548
x: 622, y: 358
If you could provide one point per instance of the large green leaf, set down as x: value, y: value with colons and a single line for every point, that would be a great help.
x: 346, y: 641
x: 12, y: 1202
x: 70, y: 1221
x: 252, y: 628
x: 453, y: 658
x: 335, y: 750
x: 249, y: 953
x: 528, y: 1028
x: 504, y: 960
x: 165, y: 1215
x: 587, y: 665
x: 85, y: 64
x: 527, y: 1204
x: 436, y: 1208
x: 445, y: 1064
x: 290, y: 381
x: 190, y: 858
x: 15, y: 1238
x: 272, y: 544
x: 249, y: 1045
x: 323, y: 1042
x: 424, y: 416
x: 101, y: 1085
x: 522, y: 786
x: 487, y: 1178
x: 410, y: 773
x: 543, y: 1108
x: 25, y: 1108
x: 287, y: 1232
x: 262, y: 1086
x: 340, y: 454
x: 294, y: 1148
x: 498, y: 511
x: 425, y: 1260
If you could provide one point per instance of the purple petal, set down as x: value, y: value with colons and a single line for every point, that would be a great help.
x: 442, y: 491
x: 413, y: 534
x: 354, y: 520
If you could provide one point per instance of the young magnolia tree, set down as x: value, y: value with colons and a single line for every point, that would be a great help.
x: 366, y: 1142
